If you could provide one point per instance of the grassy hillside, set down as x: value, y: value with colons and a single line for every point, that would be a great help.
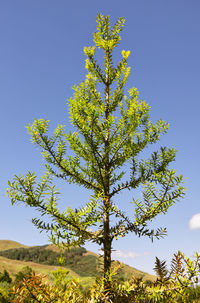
x: 80, y: 263
x: 8, y: 244
x: 14, y: 266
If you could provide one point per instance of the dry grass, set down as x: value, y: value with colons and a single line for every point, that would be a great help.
x: 14, y: 266
x: 8, y: 244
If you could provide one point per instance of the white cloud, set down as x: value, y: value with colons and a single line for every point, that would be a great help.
x: 195, y: 222
x: 122, y: 254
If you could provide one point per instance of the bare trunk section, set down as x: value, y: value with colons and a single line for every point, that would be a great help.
x: 107, y: 240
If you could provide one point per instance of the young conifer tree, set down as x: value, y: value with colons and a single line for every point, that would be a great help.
x: 111, y: 131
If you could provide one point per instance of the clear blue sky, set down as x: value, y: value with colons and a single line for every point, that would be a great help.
x: 41, y: 58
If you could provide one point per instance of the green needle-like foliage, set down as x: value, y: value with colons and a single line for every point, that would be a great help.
x: 112, y: 129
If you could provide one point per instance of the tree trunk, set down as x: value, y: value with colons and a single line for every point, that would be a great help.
x: 107, y: 246
x: 107, y: 240
x: 106, y: 202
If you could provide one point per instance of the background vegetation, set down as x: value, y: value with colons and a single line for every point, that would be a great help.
x: 85, y: 267
x: 178, y: 284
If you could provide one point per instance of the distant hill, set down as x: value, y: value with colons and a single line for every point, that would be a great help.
x: 80, y: 263
x: 8, y: 244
